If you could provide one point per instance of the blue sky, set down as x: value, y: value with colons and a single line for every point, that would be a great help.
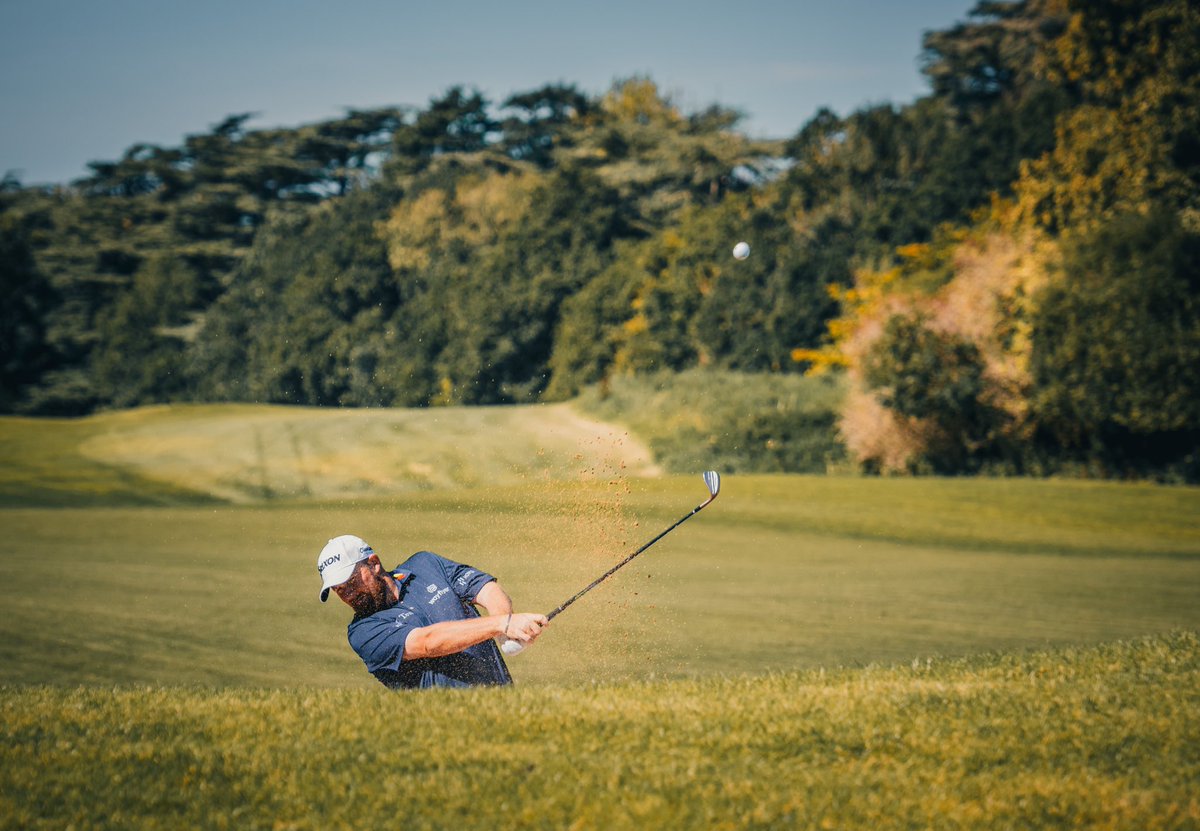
x: 83, y: 80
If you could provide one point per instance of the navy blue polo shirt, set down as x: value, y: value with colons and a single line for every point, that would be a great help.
x: 432, y: 590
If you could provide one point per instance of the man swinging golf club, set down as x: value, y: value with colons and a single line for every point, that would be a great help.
x: 416, y: 626
x: 409, y: 637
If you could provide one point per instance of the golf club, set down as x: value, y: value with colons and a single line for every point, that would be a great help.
x: 712, y: 481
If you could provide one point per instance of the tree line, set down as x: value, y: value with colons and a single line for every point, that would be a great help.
x: 1004, y: 270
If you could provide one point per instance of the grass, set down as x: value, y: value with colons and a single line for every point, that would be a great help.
x: 249, y: 454
x: 810, y: 651
x: 734, y: 421
x: 45, y: 465
x: 780, y: 573
x: 1098, y: 737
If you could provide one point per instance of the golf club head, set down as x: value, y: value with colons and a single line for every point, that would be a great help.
x: 712, y: 481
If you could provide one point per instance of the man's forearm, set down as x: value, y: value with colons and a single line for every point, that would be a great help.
x: 452, y: 636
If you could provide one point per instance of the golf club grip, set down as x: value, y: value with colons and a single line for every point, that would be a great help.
x: 613, y: 570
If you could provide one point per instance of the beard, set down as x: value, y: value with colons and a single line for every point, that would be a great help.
x: 372, y: 598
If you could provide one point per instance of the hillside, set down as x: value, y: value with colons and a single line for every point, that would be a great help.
x: 249, y: 453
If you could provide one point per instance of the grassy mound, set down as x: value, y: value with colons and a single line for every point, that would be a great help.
x: 250, y: 453
x: 1099, y: 737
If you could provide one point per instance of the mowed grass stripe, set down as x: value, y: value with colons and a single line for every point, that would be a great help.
x: 1105, y: 736
x: 1063, y: 516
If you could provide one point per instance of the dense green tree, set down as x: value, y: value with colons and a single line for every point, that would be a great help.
x: 342, y: 152
x: 557, y: 247
x: 305, y: 320
x: 1116, y: 357
x: 896, y: 173
x: 935, y: 380
x: 200, y: 206
x: 460, y: 121
x: 139, y: 355
x: 544, y: 121
x: 28, y: 298
x: 1132, y: 145
x: 679, y: 299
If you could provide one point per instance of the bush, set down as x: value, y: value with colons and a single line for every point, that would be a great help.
x: 729, y: 421
x: 1116, y: 350
x: 935, y: 379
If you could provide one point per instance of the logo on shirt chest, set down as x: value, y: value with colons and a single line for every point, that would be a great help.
x: 438, y: 594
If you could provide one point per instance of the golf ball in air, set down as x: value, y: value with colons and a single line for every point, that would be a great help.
x: 741, y: 251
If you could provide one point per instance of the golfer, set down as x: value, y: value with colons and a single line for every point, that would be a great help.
x: 416, y: 625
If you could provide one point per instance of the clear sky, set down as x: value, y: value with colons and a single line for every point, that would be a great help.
x: 83, y: 80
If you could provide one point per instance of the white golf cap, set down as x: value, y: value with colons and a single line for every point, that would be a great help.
x: 337, y: 559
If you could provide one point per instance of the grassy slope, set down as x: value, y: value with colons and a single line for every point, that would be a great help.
x: 44, y: 465
x: 251, y: 453
x: 734, y: 421
x: 1103, y: 737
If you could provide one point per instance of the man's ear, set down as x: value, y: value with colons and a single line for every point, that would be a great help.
x: 374, y: 564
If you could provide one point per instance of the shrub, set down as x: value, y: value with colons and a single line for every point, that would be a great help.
x: 731, y: 421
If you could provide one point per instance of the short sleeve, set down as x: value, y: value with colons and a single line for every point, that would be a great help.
x: 466, y: 582
x: 379, y: 641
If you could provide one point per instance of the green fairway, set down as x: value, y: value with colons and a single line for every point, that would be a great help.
x: 1102, y: 737
x: 780, y: 573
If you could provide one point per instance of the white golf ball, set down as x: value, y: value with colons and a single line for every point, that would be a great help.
x: 741, y: 251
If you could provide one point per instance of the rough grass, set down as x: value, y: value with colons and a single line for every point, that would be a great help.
x: 1102, y: 737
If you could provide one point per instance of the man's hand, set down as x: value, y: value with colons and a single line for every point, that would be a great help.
x: 525, y: 626
x: 522, y: 630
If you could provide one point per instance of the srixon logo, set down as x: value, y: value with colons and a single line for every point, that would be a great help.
x: 363, y: 553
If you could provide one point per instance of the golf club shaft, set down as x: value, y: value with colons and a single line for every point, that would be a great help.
x: 612, y: 570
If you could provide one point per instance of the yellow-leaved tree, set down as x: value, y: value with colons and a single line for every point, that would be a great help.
x: 963, y: 353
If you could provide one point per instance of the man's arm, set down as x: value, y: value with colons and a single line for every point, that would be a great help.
x: 449, y: 637
x: 494, y: 598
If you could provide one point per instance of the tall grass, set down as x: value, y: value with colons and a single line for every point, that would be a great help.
x: 1103, y: 737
